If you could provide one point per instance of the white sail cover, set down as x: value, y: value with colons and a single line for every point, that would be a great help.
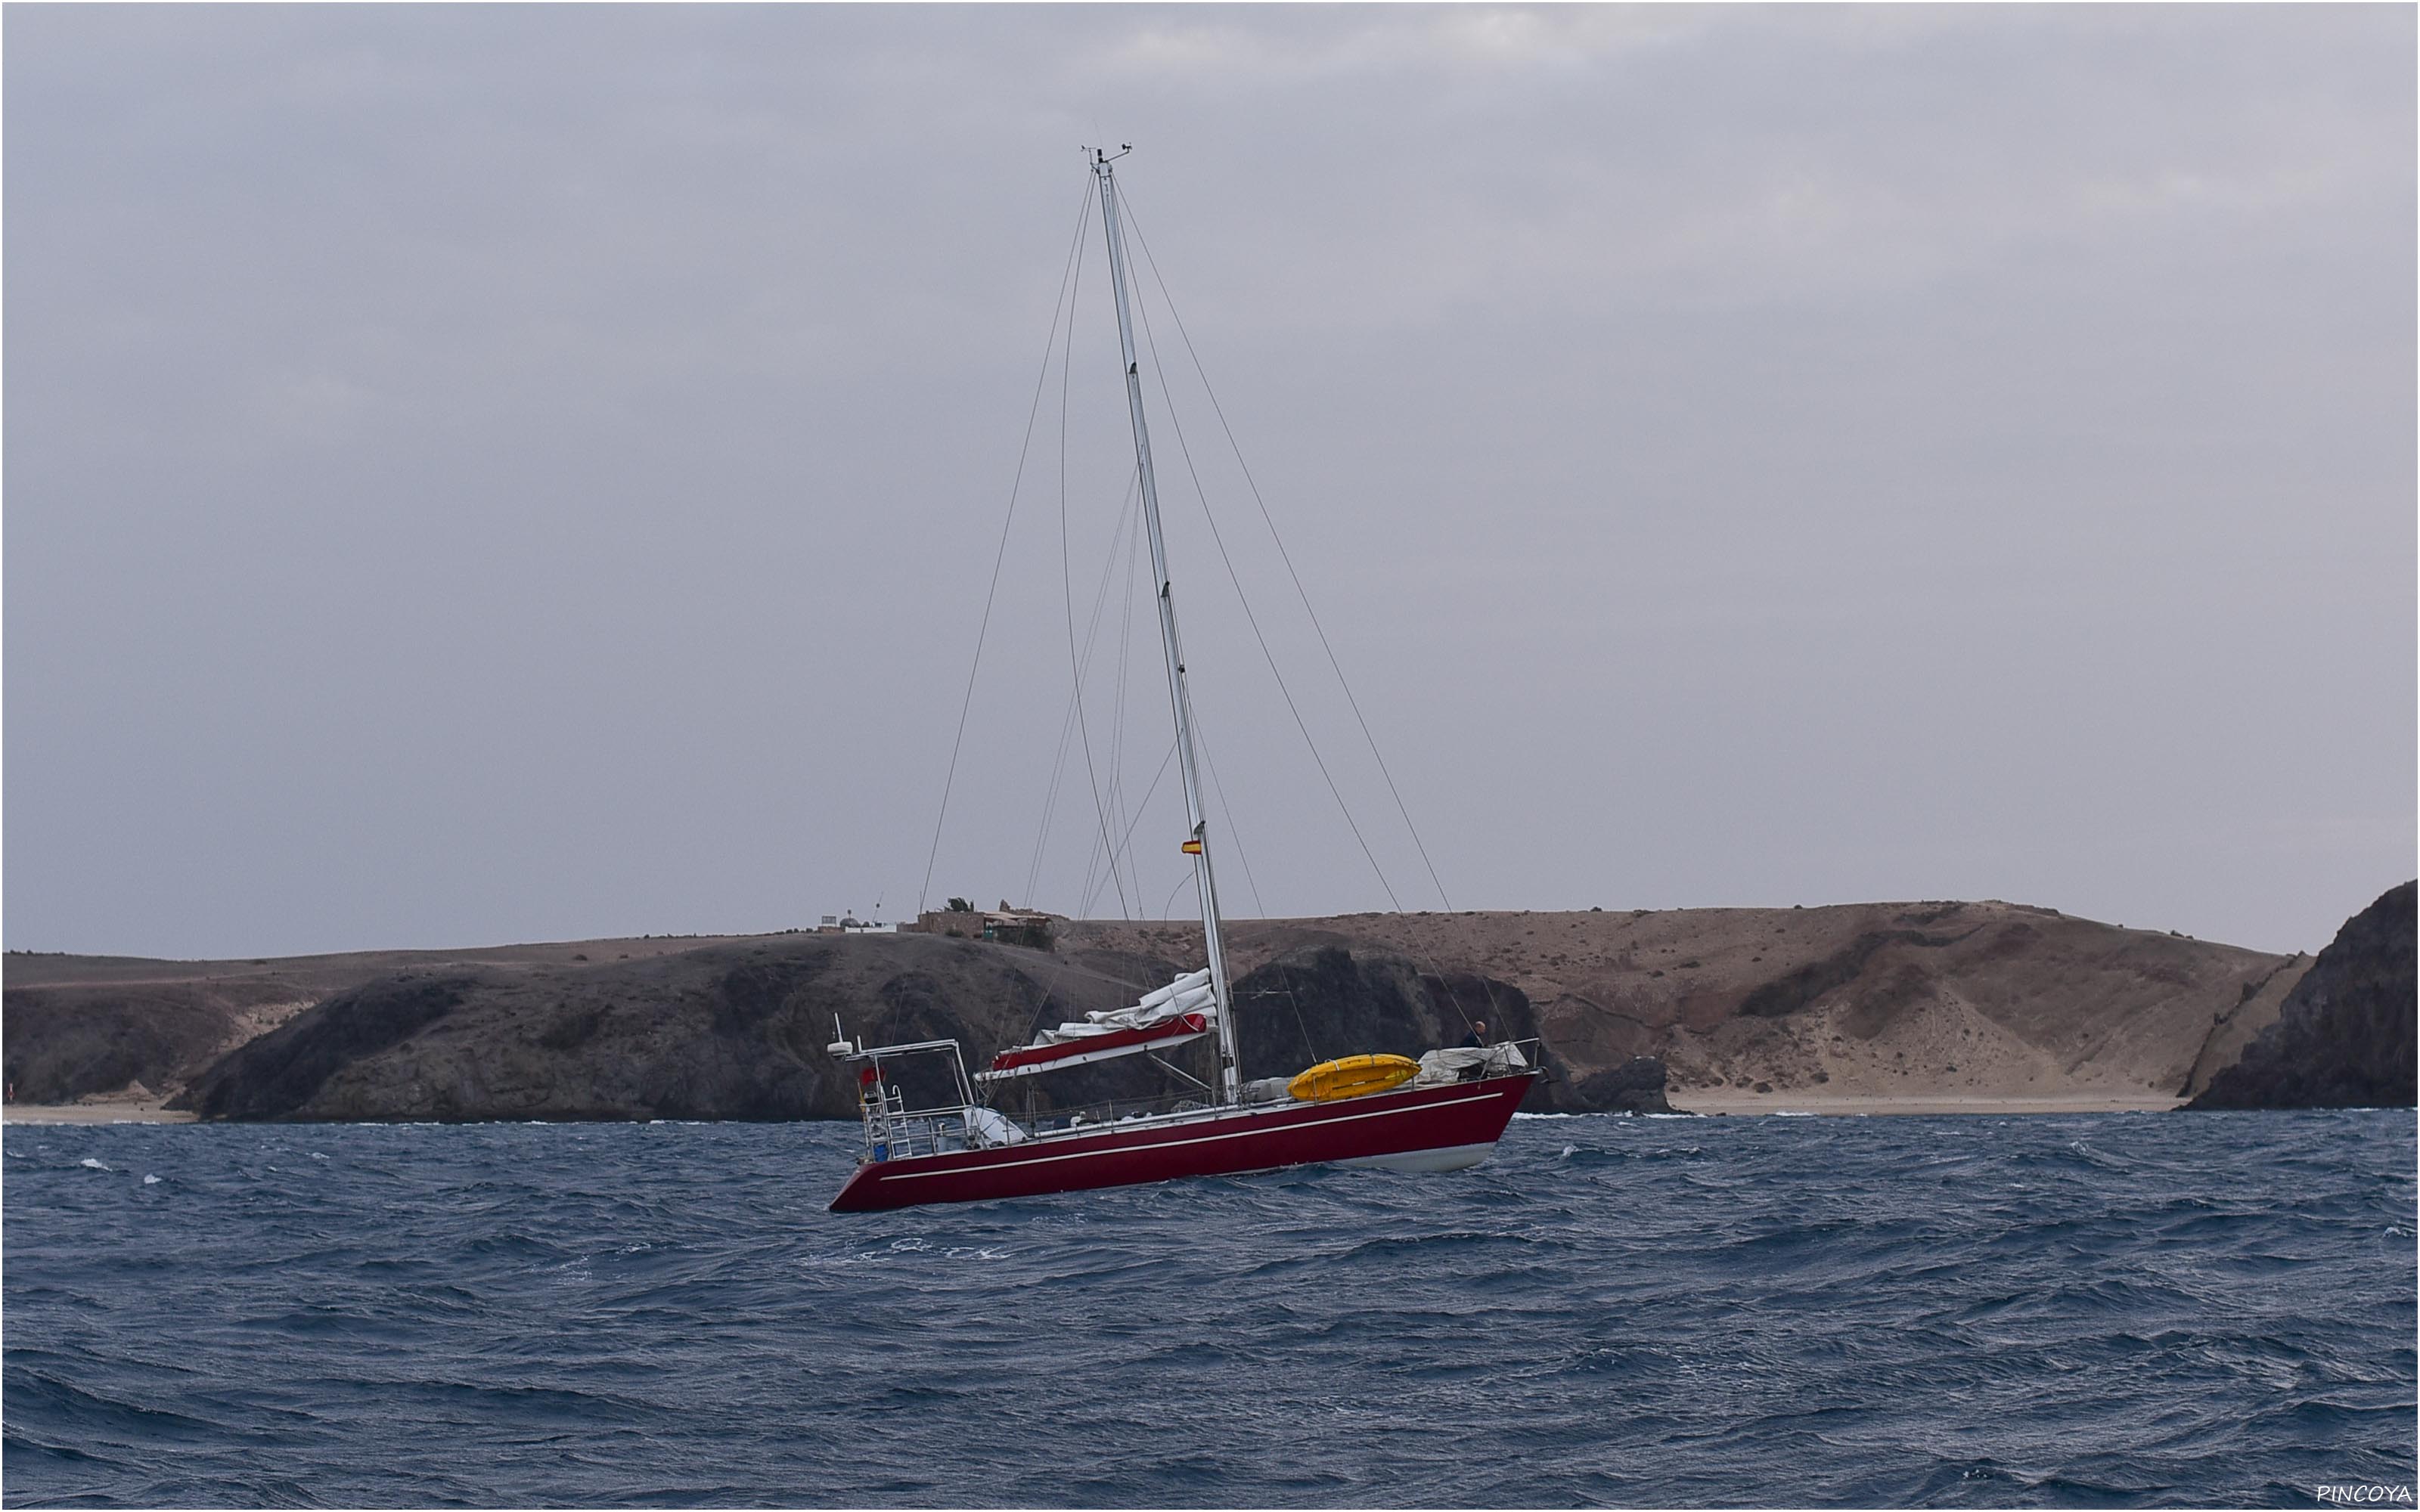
x: 1468, y: 1063
x: 1183, y: 1009
x: 1189, y: 994
x: 987, y: 1129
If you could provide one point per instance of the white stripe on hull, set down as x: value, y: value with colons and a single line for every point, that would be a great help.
x: 1204, y: 1139
x: 1445, y: 1158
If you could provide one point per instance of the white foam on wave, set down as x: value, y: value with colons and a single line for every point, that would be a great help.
x: 903, y: 1248
x: 91, y: 1164
x: 150, y: 1181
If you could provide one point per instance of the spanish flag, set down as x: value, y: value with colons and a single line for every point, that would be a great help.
x: 1192, y: 847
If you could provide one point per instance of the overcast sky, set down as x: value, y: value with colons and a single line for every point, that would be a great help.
x: 477, y: 475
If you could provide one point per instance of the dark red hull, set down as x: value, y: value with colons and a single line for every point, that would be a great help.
x: 1461, y: 1116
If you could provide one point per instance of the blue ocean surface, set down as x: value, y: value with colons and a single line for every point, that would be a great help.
x: 2107, y: 1310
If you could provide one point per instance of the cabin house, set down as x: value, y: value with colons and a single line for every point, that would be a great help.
x: 1029, y: 927
x: 851, y: 924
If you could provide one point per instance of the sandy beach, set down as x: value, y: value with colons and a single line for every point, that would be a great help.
x: 1854, y: 1105
x: 131, y: 1112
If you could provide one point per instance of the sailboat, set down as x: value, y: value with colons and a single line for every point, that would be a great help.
x: 1444, y: 1111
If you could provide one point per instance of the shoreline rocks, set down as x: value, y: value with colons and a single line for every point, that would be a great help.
x: 1636, y: 1085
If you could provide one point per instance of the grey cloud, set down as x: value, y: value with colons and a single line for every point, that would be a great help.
x: 480, y: 474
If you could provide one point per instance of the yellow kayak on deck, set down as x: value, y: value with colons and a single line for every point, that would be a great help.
x: 1331, y: 1081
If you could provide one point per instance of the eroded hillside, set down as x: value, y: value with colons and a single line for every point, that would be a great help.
x: 1953, y: 999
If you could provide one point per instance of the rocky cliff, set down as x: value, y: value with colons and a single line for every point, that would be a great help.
x: 728, y: 1030
x: 738, y: 1030
x: 81, y: 1026
x: 2344, y: 1036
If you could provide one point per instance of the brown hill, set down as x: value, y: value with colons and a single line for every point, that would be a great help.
x: 1984, y: 1000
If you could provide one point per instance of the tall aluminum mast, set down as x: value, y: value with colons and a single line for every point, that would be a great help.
x: 1197, y: 841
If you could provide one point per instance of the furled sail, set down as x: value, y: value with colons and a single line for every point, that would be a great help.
x: 1186, y: 1009
x: 1469, y: 1064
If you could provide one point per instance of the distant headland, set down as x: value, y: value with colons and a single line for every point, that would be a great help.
x: 1864, y: 1008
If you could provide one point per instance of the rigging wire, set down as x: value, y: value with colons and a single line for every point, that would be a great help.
x: 1283, y: 555
x: 1057, y: 771
x: 1127, y: 840
x: 1171, y: 902
x: 1083, y: 218
x: 1453, y: 999
x: 1051, y: 798
x: 1118, y: 703
x: 1100, y: 849
x: 1070, y: 277
x: 1249, y: 617
x: 1067, y: 721
x: 1235, y: 830
x: 1067, y: 588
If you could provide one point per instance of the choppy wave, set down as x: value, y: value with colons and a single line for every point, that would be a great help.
x: 2110, y: 1310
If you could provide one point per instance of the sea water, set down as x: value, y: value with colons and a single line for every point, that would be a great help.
x: 2106, y: 1310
